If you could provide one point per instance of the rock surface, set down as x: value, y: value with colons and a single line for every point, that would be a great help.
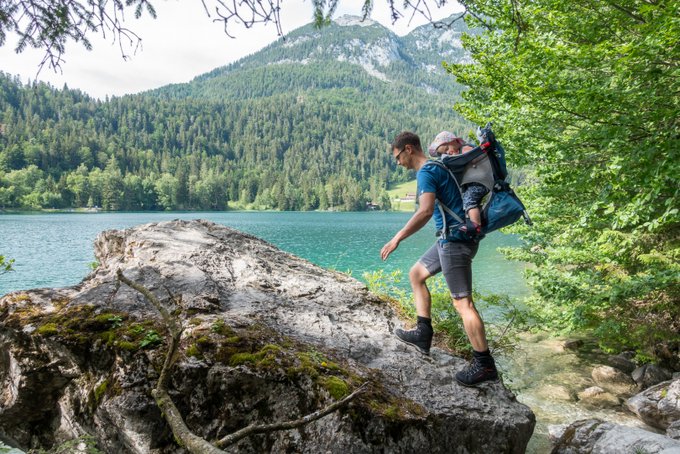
x: 649, y: 375
x: 596, y: 436
x: 267, y: 337
x: 614, y: 380
x: 623, y: 361
x: 596, y: 397
x: 658, y: 406
x: 673, y: 430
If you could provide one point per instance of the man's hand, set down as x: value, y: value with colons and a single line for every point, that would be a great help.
x: 388, y: 248
x: 418, y: 220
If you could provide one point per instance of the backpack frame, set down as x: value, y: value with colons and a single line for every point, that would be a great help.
x: 502, y: 206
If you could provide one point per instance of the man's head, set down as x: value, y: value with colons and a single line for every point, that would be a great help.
x: 406, y: 149
x: 445, y: 143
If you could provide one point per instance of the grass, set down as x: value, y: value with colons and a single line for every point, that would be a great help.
x: 401, y: 190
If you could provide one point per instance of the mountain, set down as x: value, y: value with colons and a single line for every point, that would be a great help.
x: 303, y: 124
x: 364, y: 53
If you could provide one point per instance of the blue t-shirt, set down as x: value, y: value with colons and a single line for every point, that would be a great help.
x: 433, y: 178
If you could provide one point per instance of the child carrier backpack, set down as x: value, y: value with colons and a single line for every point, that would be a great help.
x: 484, y: 164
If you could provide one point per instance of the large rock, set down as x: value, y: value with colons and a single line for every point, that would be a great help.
x: 614, y: 380
x: 268, y: 337
x: 649, y: 375
x: 673, y: 430
x: 658, y: 406
x: 623, y: 362
x: 596, y: 397
x: 597, y: 436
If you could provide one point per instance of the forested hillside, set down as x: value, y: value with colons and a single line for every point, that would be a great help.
x: 304, y: 124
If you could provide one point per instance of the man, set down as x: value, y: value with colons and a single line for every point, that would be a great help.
x: 451, y: 256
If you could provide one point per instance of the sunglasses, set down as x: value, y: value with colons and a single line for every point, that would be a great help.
x: 399, y: 154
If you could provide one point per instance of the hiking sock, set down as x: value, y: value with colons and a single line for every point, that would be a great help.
x: 484, y: 358
x: 425, y: 321
x: 481, y: 355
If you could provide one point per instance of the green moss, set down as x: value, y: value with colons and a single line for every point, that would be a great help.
x: 307, y: 365
x: 127, y: 345
x: 109, y: 337
x: 391, y: 412
x: 79, y: 324
x: 107, y: 321
x: 76, y: 445
x: 241, y: 358
x: 264, y: 357
x: 193, y: 351
x: 21, y: 297
x: 48, y: 329
x: 203, y: 340
x: 195, y: 321
x: 100, y: 390
x: 331, y: 366
x: 224, y: 353
x: 221, y: 328
x: 335, y: 386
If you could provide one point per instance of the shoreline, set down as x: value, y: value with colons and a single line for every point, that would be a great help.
x: 234, y: 209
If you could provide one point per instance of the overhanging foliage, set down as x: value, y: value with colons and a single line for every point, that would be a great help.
x: 587, y: 94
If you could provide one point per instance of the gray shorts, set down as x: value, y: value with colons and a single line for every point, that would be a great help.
x: 454, y: 260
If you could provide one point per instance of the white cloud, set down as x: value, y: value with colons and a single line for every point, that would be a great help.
x: 179, y: 45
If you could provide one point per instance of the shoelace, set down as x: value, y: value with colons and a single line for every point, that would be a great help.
x: 473, y: 368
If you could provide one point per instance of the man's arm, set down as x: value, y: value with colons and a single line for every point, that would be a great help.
x: 417, y: 221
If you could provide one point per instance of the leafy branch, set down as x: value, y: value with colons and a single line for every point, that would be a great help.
x: 51, y: 24
x: 5, y: 265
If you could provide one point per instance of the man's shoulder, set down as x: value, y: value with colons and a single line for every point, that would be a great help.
x: 434, y: 168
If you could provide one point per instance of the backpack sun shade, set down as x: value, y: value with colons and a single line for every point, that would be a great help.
x: 486, y: 164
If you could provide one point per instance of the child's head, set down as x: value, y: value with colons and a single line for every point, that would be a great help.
x: 445, y: 143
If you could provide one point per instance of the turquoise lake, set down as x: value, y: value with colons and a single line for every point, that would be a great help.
x: 56, y: 250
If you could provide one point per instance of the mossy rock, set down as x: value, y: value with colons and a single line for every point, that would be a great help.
x: 100, y: 390
x: 336, y: 387
x: 48, y: 329
x: 193, y: 351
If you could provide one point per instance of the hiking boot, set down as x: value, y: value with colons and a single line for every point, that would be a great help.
x: 478, y: 371
x: 420, y: 337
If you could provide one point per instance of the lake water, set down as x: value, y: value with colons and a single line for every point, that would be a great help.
x: 56, y: 250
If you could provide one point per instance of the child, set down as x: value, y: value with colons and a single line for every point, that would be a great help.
x: 447, y: 143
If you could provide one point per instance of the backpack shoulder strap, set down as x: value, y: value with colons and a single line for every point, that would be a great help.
x: 440, y: 205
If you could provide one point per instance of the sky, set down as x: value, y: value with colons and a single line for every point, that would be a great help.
x: 180, y: 44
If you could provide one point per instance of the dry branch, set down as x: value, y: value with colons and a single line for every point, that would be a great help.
x: 254, y: 428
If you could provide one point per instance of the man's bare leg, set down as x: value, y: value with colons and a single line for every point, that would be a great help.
x: 421, y: 294
x: 472, y: 322
x: 483, y: 367
x: 421, y: 336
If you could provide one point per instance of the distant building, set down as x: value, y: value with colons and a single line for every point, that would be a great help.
x: 370, y: 206
x: 409, y: 197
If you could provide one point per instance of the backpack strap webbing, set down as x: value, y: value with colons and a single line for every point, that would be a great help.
x: 441, y: 206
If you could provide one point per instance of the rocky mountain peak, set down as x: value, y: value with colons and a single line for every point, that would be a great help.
x: 349, y: 20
